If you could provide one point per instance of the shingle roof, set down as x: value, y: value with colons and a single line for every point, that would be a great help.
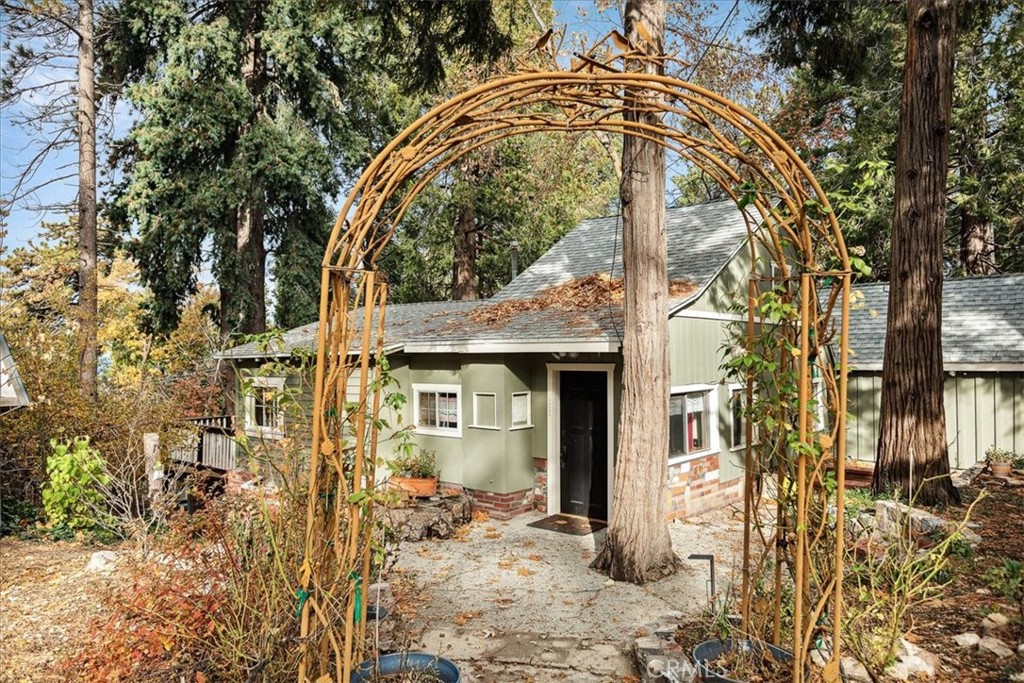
x: 982, y: 322
x: 701, y: 240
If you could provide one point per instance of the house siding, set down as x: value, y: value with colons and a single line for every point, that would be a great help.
x: 982, y: 409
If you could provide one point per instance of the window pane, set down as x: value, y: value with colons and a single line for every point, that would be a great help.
x: 486, y: 414
x: 697, y: 422
x: 447, y: 410
x: 739, y: 429
x: 676, y: 427
x: 428, y: 409
x: 520, y: 410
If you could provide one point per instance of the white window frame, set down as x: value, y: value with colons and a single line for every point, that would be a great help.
x: 476, y: 412
x: 449, y: 432
x: 743, y: 444
x: 714, y: 438
x: 512, y: 426
x: 263, y: 431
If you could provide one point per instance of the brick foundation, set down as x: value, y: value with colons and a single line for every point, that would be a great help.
x: 502, y: 505
x: 694, y: 487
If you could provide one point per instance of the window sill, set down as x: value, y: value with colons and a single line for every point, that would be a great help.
x: 262, y: 433
x: 446, y: 433
x: 489, y: 429
x: 680, y: 459
x: 519, y: 427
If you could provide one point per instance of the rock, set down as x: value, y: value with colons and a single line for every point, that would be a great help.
x: 910, y: 665
x: 1020, y: 649
x: 994, y: 622
x: 430, y: 519
x: 995, y: 646
x: 102, y: 561
x: 1017, y: 678
x: 925, y: 524
x: 888, y: 516
x: 972, y: 537
x: 854, y: 671
x: 819, y: 658
x: 967, y: 639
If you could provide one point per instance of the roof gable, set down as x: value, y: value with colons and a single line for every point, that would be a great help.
x: 701, y: 240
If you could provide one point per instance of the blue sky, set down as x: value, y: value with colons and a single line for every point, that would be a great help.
x: 17, y: 146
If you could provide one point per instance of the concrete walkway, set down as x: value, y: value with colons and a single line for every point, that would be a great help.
x: 511, y: 603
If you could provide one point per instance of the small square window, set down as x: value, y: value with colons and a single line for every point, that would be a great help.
x: 264, y: 416
x: 521, y: 417
x: 485, y: 410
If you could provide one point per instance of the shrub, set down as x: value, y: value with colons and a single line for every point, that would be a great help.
x: 1007, y: 580
x: 71, y: 496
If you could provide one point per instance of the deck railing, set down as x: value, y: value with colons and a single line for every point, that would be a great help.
x: 210, y: 443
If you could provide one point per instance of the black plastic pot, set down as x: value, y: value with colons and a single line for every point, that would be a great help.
x: 405, y: 662
x: 710, y: 650
x: 375, y: 613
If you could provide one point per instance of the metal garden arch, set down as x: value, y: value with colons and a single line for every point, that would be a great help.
x: 797, y: 252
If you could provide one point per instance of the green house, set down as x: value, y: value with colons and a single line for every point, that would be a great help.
x: 519, y: 394
x: 983, y: 360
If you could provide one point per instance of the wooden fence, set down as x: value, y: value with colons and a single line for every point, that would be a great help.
x: 210, y: 443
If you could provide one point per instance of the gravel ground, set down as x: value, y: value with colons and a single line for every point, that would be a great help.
x: 515, y: 603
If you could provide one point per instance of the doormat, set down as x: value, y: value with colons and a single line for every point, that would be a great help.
x: 569, y: 524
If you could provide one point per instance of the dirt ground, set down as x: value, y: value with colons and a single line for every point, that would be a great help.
x: 502, y: 600
x: 47, y: 601
x: 968, y: 598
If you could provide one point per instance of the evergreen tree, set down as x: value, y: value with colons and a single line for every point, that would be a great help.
x: 250, y: 114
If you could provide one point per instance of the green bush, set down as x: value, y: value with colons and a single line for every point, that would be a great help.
x: 71, y: 496
x: 1008, y: 581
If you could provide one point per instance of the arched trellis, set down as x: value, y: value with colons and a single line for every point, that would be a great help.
x: 798, y: 258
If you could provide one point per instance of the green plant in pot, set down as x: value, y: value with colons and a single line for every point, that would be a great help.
x: 1000, y: 461
x: 414, y: 470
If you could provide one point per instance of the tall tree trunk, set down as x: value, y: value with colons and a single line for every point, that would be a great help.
x: 243, y: 290
x: 977, y: 244
x: 87, y: 306
x: 464, y: 271
x: 912, y: 452
x: 637, y: 546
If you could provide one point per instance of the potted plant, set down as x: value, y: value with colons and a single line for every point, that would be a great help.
x: 415, y: 472
x: 999, y: 461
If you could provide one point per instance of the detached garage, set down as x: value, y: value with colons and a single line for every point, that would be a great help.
x: 983, y: 358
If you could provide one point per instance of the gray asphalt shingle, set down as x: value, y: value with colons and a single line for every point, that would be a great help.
x: 701, y: 240
x: 982, y: 321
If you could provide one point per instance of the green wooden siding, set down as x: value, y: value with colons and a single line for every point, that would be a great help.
x: 982, y: 410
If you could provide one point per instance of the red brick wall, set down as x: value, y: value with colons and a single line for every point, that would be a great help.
x: 695, y: 487
x: 502, y: 505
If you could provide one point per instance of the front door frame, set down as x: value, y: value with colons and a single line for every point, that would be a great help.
x: 555, y: 435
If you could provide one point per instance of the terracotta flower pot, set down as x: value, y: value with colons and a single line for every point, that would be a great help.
x: 417, y: 487
x: 1000, y: 469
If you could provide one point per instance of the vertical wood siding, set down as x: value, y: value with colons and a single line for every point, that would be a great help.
x: 982, y: 410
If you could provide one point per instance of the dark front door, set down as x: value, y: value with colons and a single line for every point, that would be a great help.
x: 584, y: 444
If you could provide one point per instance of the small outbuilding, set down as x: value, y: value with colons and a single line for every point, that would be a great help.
x: 12, y: 390
x: 983, y: 360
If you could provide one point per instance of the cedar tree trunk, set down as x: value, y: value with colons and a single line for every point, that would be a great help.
x: 637, y: 547
x: 464, y: 272
x: 87, y: 312
x: 912, y: 452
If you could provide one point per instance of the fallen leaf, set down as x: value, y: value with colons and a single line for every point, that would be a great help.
x: 523, y: 571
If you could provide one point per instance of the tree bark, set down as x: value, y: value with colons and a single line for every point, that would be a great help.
x: 466, y: 253
x: 243, y: 295
x: 637, y: 546
x: 912, y: 451
x: 87, y: 295
x: 977, y: 244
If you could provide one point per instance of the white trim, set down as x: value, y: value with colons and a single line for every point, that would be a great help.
x: 714, y: 435
x: 529, y: 410
x: 546, y: 346
x: 714, y: 315
x: 476, y: 411
x: 554, y: 431
x: 437, y: 388
x: 948, y: 367
x: 249, y: 406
